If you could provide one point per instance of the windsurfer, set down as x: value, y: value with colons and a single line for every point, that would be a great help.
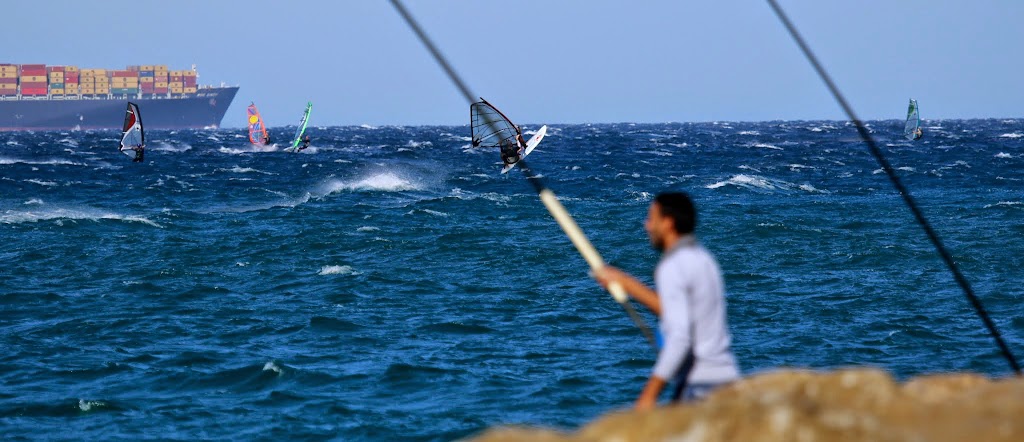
x: 266, y: 139
x: 918, y: 133
x: 510, y: 152
x: 305, y: 143
x: 139, y: 152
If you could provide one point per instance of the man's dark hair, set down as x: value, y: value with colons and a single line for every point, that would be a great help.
x: 679, y: 207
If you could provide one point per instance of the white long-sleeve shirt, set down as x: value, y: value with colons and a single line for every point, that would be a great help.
x: 690, y: 288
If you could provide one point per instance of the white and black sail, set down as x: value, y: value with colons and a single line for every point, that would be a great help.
x: 490, y: 127
x: 132, y: 135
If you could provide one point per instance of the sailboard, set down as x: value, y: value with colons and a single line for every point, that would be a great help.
x: 257, y: 128
x: 491, y: 128
x: 301, y: 129
x: 132, y: 135
x: 910, y: 129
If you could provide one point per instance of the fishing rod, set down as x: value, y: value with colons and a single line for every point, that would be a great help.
x: 895, y: 179
x: 550, y: 200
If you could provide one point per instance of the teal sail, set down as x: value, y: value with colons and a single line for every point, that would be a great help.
x: 912, y: 129
x: 302, y: 126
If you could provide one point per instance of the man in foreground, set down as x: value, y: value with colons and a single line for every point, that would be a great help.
x: 690, y: 304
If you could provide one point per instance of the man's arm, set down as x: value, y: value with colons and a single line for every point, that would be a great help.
x: 633, y: 286
x: 649, y: 396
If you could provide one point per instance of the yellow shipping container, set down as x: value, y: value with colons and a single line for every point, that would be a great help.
x: 177, y: 90
x: 8, y: 75
x: 146, y: 79
x: 190, y: 90
x: 8, y: 86
x: 57, y: 77
x: 188, y: 73
x: 160, y: 84
x: 88, y: 90
x: 8, y: 69
x: 56, y: 91
x: 146, y: 67
x: 103, y: 90
x: 70, y: 68
x: 34, y: 78
x: 177, y: 84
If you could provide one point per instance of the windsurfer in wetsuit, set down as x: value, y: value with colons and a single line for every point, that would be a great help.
x: 918, y: 133
x: 139, y: 151
x: 266, y: 139
x: 305, y: 143
x: 509, y: 152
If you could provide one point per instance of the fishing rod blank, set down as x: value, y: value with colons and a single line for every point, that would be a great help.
x: 555, y: 207
x: 907, y: 198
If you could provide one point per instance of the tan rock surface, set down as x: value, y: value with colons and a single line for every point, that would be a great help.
x: 795, y: 405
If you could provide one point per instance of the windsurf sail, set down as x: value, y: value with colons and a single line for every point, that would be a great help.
x: 257, y: 129
x: 913, y: 121
x: 302, y: 125
x: 490, y: 127
x: 132, y: 135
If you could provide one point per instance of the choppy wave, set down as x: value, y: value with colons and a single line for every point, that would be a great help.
x: 336, y: 270
x: 59, y: 214
x: 381, y: 182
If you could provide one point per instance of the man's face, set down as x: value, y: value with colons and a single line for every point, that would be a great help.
x: 655, y: 226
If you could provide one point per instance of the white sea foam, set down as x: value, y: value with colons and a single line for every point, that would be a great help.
x: 367, y: 126
x: 85, y: 405
x: 6, y: 160
x: 748, y: 132
x: 34, y: 201
x: 271, y: 366
x: 337, y: 270
x: 1003, y: 155
x: 1012, y: 135
x: 762, y: 183
x: 59, y: 214
x: 41, y: 183
x: 237, y: 169
x: 1005, y: 204
x: 767, y: 146
x: 412, y: 143
x: 432, y: 212
x: 367, y: 229
x: 381, y: 182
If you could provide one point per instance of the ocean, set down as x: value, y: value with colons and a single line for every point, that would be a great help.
x: 389, y: 284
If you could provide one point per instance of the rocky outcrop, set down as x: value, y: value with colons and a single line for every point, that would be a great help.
x: 845, y: 405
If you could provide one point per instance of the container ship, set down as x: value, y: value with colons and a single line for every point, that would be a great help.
x: 41, y: 97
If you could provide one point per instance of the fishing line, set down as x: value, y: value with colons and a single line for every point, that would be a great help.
x: 907, y: 198
x: 551, y: 202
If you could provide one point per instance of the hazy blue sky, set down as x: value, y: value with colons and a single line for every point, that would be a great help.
x: 552, y: 61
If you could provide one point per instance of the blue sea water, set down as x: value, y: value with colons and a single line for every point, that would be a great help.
x: 389, y: 284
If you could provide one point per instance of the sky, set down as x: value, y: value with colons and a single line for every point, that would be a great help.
x: 551, y: 62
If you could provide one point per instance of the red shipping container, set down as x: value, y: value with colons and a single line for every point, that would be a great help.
x: 34, y: 66
x: 160, y: 90
x: 71, y: 77
x: 55, y: 69
x: 8, y: 92
x: 190, y: 81
x: 126, y: 74
x: 33, y: 91
x: 8, y: 80
x: 33, y: 84
x: 176, y: 78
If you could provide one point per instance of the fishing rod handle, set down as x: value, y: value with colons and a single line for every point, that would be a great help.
x: 580, y: 240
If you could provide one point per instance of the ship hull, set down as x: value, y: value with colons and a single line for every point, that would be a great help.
x: 204, y: 109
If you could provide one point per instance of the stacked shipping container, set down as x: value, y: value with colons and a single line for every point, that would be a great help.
x: 8, y: 79
x: 38, y: 80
